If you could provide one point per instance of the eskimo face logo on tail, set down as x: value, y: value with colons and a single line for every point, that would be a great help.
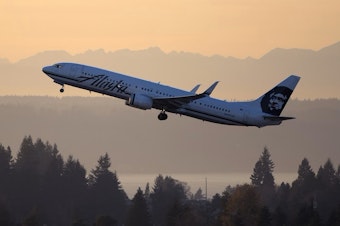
x: 275, y: 100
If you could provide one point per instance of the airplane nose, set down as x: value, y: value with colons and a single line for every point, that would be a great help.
x: 47, y: 69
x: 44, y: 69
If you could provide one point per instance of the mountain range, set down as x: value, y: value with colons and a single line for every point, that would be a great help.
x: 241, y: 79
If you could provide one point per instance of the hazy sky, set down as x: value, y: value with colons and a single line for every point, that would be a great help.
x: 238, y: 28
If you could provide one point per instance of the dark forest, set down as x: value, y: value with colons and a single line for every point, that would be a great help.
x: 39, y: 187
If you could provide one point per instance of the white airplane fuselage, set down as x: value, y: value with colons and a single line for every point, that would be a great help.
x: 145, y: 95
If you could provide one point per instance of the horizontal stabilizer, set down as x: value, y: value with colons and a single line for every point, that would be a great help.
x: 210, y: 89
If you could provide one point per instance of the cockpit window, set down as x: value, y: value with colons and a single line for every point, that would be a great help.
x: 57, y: 65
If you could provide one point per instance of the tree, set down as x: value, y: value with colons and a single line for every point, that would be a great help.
x: 334, y: 219
x: 327, y: 195
x: 262, y: 175
x: 6, y: 182
x: 265, y: 218
x: 74, y: 190
x: 26, y: 159
x: 338, y: 174
x: 107, y: 196
x: 5, y: 218
x: 263, y: 179
x: 147, y: 191
x: 166, y: 192
x: 243, y: 206
x: 199, y: 194
x: 306, y: 176
x: 6, y: 161
x: 181, y: 214
x: 307, y: 216
x: 138, y: 214
x: 33, y: 219
x: 216, y: 209
x: 37, y: 174
x: 279, y: 215
x: 326, y: 176
x: 106, y: 221
x: 79, y: 223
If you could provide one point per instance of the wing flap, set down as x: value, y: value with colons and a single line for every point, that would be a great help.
x: 176, y: 102
x: 277, y: 118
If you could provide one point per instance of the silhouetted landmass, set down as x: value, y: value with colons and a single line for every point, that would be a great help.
x: 139, y: 143
x: 240, y: 78
x: 39, y: 187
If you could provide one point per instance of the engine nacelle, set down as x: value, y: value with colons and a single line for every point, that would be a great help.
x: 140, y: 101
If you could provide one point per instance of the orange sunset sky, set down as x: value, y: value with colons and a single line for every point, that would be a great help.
x: 238, y: 28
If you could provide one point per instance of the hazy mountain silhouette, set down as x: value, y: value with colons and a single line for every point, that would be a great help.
x: 240, y: 78
x: 138, y: 143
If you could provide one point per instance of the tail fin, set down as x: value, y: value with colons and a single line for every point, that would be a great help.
x: 274, y: 101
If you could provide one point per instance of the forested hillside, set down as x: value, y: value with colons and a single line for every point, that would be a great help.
x: 89, y: 127
x: 39, y: 186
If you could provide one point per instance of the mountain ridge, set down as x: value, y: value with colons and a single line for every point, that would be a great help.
x: 155, y: 49
x: 241, y: 79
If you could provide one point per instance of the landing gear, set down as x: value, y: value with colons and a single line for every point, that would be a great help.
x: 162, y: 116
x: 62, y: 89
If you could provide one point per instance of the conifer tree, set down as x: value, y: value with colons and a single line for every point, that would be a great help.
x: 326, y: 198
x: 262, y: 173
x: 166, y: 192
x: 306, y: 178
x: 6, y: 160
x: 263, y: 179
x: 6, y: 164
x: 138, y: 214
x: 74, y: 189
x: 107, y: 196
x: 243, y: 206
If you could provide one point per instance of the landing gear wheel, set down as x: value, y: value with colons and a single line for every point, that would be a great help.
x: 162, y: 116
x: 61, y: 90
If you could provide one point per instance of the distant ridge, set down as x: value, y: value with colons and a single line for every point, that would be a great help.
x: 89, y: 127
x: 241, y: 79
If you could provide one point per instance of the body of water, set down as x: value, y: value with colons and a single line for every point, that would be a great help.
x: 216, y: 182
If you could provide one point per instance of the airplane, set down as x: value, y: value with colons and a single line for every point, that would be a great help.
x: 142, y: 94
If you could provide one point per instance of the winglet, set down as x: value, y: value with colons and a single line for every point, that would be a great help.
x: 211, y: 88
x: 194, y: 90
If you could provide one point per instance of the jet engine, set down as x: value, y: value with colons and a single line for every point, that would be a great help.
x: 140, y: 101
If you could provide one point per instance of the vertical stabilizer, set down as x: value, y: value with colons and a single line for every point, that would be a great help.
x: 274, y: 101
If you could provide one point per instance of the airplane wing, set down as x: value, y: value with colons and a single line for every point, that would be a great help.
x: 176, y: 102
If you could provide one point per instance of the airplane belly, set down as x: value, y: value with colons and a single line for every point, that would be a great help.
x: 209, y: 117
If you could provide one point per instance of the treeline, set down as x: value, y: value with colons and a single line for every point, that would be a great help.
x: 39, y: 187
